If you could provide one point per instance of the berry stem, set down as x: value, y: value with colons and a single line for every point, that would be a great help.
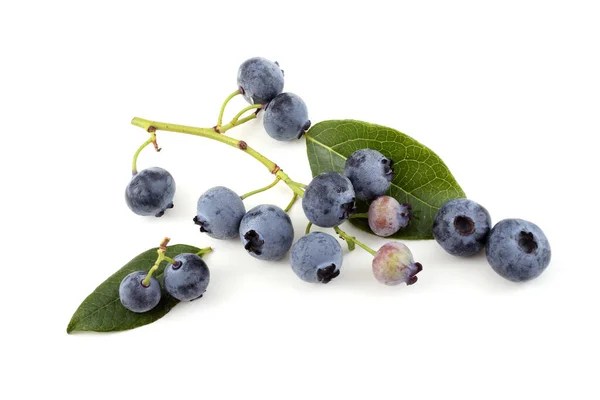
x: 222, y: 111
x: 256, y: 107
x: 139, y: 150
x: 152, y: 126
x: 307, y: 231
x: 359, y: 215
x: 245, y: 196
x: 169, y: 260
x: 202, y: 252
x: 351, y: 240
x: 232, y: 123
x: 289, y: 206
x: 162, y: 249
x: 302, y: 185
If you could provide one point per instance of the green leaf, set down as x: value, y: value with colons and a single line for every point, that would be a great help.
x: 421, y: 178
x: 102, y: 310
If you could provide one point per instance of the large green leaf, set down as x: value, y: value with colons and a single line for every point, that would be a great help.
x: 102, y: 310
x: 421, y: 178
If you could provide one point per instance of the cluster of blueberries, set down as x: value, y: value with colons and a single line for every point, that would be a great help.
x: 329, y: 199
x: 268, y: 232
x: 516, y: 249
x: 185, y: 279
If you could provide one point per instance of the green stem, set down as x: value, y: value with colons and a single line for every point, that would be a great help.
x: 352, y: 239
x: 202, y: 252
x: 222, y: 111
x: 307, y: 231
x: 151, y: 126
x: 169, y: 260
x: 252, y: 107
x: 359, y: 215
x: 277, y: 179
x: 232, y: 123
x: 302, y: 185
x: 162, y: 249
x: 138, y: 151
x: 289, y: 206
x: 246, y: 119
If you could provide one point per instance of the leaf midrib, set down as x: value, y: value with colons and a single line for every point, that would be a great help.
x: 393, y: 184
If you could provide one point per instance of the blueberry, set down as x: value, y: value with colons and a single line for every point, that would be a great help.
x: 267, y: 232
x: 150, y: 192
x: 387, y: 216
x: 393, y: 264
x: 286, y: 117
x: 518, y: 250
x: 328, y: 199
x: 462, y: 227
x: 188, y: 278
x: 370, y: 173
x: 260, y: 80
x: 135, y: 296
x: 316, y: 257
x: 219, y: 213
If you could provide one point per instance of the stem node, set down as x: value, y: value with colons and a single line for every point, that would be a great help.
x: 164, y: 243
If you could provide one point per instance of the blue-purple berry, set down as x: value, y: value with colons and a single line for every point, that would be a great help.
x: 187, y: 278
x: 462, y: 227
x: 260, y: 80
x: 329, y: 199
x: 286, y: 117
x: 316, y: 257
x: 135, y: 296
x: 219, y: 213
x: 267, y: 232
x: 370, y: 172
x: 150, y: 192
x: 518, y: 250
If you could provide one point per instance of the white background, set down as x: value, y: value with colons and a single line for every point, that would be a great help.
x: 507, y: 94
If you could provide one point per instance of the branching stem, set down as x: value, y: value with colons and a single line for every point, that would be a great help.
x: 222, y: 111
x: 162, y: 249
x: 152, y: 126
x: 351, y: 240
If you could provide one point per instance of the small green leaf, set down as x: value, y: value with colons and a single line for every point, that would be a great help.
x: 421, y: 178
x: 102, y: 310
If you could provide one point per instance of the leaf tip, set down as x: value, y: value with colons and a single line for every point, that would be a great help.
x: 72, y: 324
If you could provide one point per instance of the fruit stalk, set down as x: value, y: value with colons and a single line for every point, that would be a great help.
x: 307, y: 230
x: 352, y: 241
x: 210, y: 133
x: 292, y: 202
x: 256, y: 107
x: 139, y: 150
x: 222, y: 110
x: 263, y: 189
x: 162, y: 249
